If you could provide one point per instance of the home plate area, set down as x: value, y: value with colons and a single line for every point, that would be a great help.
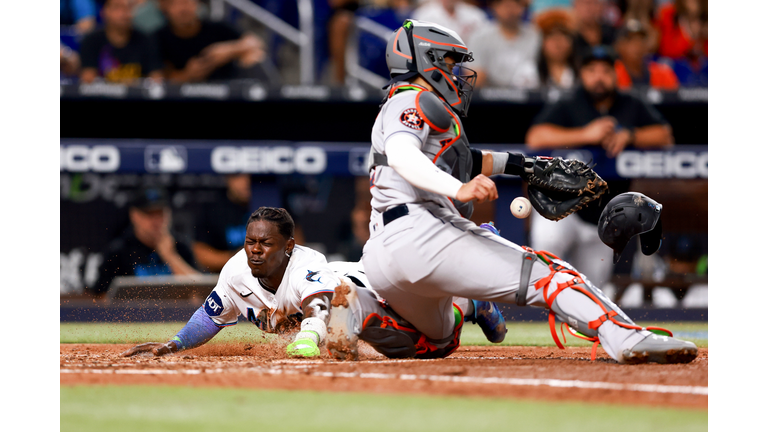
x: 542, y: 373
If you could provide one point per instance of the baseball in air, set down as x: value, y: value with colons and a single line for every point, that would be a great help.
x: 520, y: 207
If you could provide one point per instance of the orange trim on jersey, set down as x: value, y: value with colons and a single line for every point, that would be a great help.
x: 440, y: 43
x: 424, y: 117
x: 394, y: 46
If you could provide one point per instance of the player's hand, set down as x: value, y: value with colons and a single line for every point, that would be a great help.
x: 599, y: 129
x: 616, y: 143
x: 303, y: 348
x: 157, y: 349
x: 480, y: 188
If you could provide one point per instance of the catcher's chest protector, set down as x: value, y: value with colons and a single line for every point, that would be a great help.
x: 454, y: 156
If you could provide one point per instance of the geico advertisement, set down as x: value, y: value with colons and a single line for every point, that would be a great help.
x: 678, y: 164
x: 272, y: 160
x: 179, y: 159
x: 99, y: 158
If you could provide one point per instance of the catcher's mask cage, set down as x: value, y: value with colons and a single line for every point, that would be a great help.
x: 626, y: 216
x: 421, y: 48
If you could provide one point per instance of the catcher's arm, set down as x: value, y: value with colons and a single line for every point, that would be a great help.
x: 492, y: 163
x: 556, y: 187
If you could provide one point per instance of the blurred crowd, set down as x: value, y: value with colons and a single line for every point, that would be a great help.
x: 155, y: 243
x: 524, y: 44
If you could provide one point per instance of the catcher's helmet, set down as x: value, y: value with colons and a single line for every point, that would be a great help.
x: 420, y: 48
x: 627, y: 215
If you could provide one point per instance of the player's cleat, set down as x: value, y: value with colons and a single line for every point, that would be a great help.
x: 660, y: 349
x: 488, y: 316
x: 343, y: 327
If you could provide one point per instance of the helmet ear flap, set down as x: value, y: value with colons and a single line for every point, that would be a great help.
x: 436, y: 76
x: 650, y: 241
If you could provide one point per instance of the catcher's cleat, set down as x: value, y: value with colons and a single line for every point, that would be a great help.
x: 343, y: 328
x: 660, y: 349
x: 488, y: 316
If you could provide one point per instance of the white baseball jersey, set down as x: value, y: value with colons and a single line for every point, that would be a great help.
x: 401, y: 115
x: 238, y: 292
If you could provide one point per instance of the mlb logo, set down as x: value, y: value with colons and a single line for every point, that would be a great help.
x: 358, y: 161
x: 165, y: 159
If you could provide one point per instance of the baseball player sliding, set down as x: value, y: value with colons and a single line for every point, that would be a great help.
x: 279, y: 286
x: 423, y: 251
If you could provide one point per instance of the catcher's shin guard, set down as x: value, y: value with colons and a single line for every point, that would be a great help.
x: 576, y: 327
x: 395, y: 338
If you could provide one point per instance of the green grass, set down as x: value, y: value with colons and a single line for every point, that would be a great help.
x: 526, y: 334
x: 189, y: 409
x: 112, y: 333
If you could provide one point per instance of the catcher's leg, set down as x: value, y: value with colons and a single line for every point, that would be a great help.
x: 449, y: 255
x: 588, y: 314
x: 357, y: 313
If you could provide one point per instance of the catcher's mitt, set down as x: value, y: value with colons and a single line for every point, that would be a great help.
x: 558, y: 187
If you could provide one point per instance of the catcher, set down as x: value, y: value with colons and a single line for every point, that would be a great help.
x: 424, y: 251
x: 282, y: 287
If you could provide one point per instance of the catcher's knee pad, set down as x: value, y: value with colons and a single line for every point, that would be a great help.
x: 391, y: 341
x: 395, y: 338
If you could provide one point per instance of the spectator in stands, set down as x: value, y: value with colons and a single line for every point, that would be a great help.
x: 69, y: 60
x: 148, y: 247
x: 148, y: 16
x: 606, y: 121
x: 556, y: 60
x: 463, y: 18
x: 634, y: 67
x: 339, y: 26
x: 591, y: 30
x: 196, y: 50
x: 78, y: 13
x: 683, y: 28
x: 505, y: 50
x: 118, y: 53
x: 372, y: 48
x: 683, y: 39
x: 220, y: 228
x: 352, y: 246
x: 645, y: 12
x: 538, y: 6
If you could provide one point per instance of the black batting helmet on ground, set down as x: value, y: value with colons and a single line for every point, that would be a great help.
x: 626, y: 216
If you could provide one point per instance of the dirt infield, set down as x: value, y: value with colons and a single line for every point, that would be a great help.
x: 495, y: 371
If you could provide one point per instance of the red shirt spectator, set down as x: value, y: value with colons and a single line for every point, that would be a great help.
x: 634, y: 67
x: 683, y: 28
x: 659, y: 76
